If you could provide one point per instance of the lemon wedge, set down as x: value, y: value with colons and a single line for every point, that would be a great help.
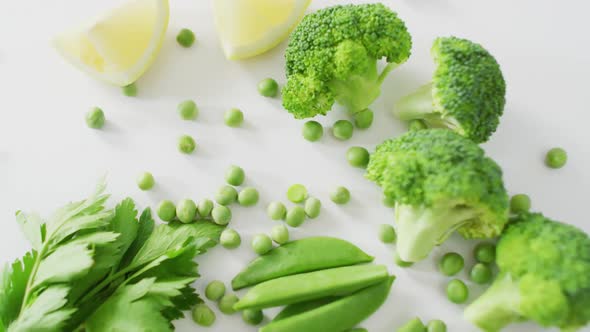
x: 119, y: 46
x: 251, y: 27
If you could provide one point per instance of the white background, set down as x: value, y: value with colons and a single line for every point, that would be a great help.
x: 48, y: 156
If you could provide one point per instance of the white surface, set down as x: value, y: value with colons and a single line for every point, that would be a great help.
x: 48, y: 156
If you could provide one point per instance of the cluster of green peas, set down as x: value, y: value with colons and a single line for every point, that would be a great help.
x: 342, y: 130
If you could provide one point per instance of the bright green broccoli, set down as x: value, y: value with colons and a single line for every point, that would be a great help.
x: 466, y: 94
x: 544, y: 277
x: 333, y: 54
x: 440, y: 182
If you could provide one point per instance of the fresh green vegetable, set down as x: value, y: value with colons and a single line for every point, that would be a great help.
x: 467, y: 93
x: 387, y: 233
x: 130, y: 90
x: 295, y: 216
x: 248, y: 196
x: 166, y: 210
x: 233, y: 117
x: 203, y: 315
x: 276, y: 211
x: 417, y: 125
x: 544, y: 269
x: 436, y: 325
x: 339, y: 315
x: 451, y: 263
x: 358, y: 157
x: 457, y: 291
x: 145, y: 181
x: 221, y: 215
x: 400, y: 262
x: 95, y: 118
x: 186, y: 144
x: 364, y: 119
x: 413, y: 325
x: 441, y: 182
x: 313, y: 207
x: 485, y: 252
x: 230, y: 239
x: 388, y: 201
x: 226, y: 195
x: 340, y: 62
x: 342, y: 130
x: 226, y: 304
x: 358, y: 329
x: 279, y: 234
x: 520, y: 203
x: 252, y: 316
x: 298, y: 257
x: 556, y: 158
x: 481, y: 273
x: 340, y: 195
x: 261, y: 244
x: 188, y: 110
x: 186, y: 211
x: 312, y: 131
x: 268, y: 87
x: 215, y: 290
x: 301, y: 307
x: 235, y: 175
x: 205, y: 207
x: 297, y: 193
x: 185, y: 38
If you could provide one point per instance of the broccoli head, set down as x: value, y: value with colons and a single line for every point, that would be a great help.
x: 544, y: 277
x: 466, y: 94
x: 332, y: 57
x: 441, y: 182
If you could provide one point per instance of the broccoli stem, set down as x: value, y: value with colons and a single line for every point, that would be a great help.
x: 421, y: 228
x: 497, y: 307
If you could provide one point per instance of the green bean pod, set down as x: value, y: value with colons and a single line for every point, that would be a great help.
x: 301, y: 307
x: 312, y: 285
x: 340, y: 315
x: 306, y: 255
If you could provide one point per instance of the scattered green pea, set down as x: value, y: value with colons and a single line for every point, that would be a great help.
x: 313, y: 207
x: 205, y: 207
x: 268, y: 87
x: 485, y: 252
x: 413, y: 325
x: 520, y: 203
x: 226, y: 195
x: 145, y: 181
x: 387, y: 233
x: 166, y: 210
x: 295, y: 216
x: 221, y: 215
x: 340, y: 195
x: 248, y: 196
x: 417, y: 125
x: 312, y: 131
x: 279, y: 234
x: 185, y: 38
x: 95, y: 118
x: 261, y: 244
x: 276, y: 211
x: 556, y: 158
x: 235, y: 175
x: 297, y: 193
x: 388, y: 201
x: 188, y: 110
x: 233, y: 117
x: 457, y: 291
x: 400, y: 262
x: 481, y: 273
x: 130, y: 90
x: 186, y: 144
x: 436, y: 325
x: 342, y: 130
x: 451, y: 263
x: 203, y: 315
x: 186, y: 211
x: 215, y: 290
x: 252, y: 316
x: 358, y: 157
x: 226, y: 304
x: 364, y: 119
x: 230, y: 239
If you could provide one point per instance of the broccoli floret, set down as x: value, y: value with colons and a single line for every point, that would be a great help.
x: 544, y: 277
x: 466, y: 94
x: 440, y: 182
x: 332, y: 57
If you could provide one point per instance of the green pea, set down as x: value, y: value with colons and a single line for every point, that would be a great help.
x: 413, y: 325
x: 261, y: 244
x: 145, y: 181
x: 186, y: 144
x: 215, y: 290
x: 268, y: 87
x: 387, y: 233
x: 342, y: 130
x: 203, y: 315
x: 312, y: 131
x: 235, y: 175
x: 166, y: 210
x: 226, y: 304
x: 340, y: 195
x: 481, y: 273
x: 233, y: 117
x: 400, y: 262
x: 417, y: 125
x: 436, y: 325
x: 485, y: 252
x: 252, y: 316
x: 95, y: 118
x: 451, y: 263
x: 313, y: 207
x: 295, y: 216
x: 186, y: 211
x: 221, y: 215
x: 185, y: 38
x: 297, y: 193
x: 358, y: 157
x: 205, y: 207
x: 226, y: 195
x: 280, y: 234
x: 556, y: 158
x: 230, y: 239
x: 130, y: 90
x: 248, y: 196
x: 188, y: 110
x: 457, y: 291
x: 276, y: 211
x: 388, y: 201
x: 364, y: 119
x: 520, y: 203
